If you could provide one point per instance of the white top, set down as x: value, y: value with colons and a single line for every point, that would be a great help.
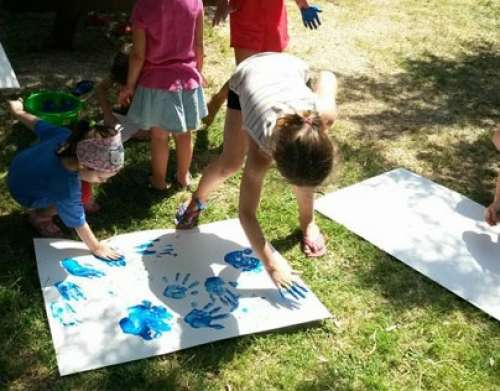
x: 8, y: 78
x: 270, y: 85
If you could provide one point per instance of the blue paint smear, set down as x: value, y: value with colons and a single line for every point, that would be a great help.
x: 146, y: 248
x: 205, y: 317
x: 296, y: 290
x: 169, y: 249
x: 180, y: 287
x: 120, y: 262
x: 64, y: 314
x: 146, y: 321
x: 218, y: 288
x: 244, y: 310
x: 242, y: 261
x: 70, y: 291
x: 74, y: 268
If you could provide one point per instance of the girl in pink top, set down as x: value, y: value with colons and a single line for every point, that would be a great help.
x: 165, y: 80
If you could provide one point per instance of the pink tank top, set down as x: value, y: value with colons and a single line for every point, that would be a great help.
x: 170, y: 33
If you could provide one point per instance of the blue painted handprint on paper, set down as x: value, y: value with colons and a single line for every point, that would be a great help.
x: 242, y: 260
x: 169, y: 249
x: 295, y: 290
x: 64, y: 314
x: 147, y: 321
x: 217, y: 288
x: 205, y: 317
x: 146, y: 248
x: 70, y: 291
x: 178, y: 289
x: 120, y: 262
x: 76, y: 269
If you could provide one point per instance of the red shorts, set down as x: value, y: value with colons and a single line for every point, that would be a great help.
x: 259, y: 25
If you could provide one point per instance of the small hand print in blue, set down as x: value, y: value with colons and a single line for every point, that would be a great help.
x: 242, y: 260
x: 169, y: 249
x: 64, y: 313
x: 146, y: 321
x: 146, y: 248
x: 218, y: 288
x: 178, y: 289
x: 296, y: 290
x: 70, y: 291
x: 73, y: 267
x: 205, y: 317
x: 310, y: 16
x: 113, y: 262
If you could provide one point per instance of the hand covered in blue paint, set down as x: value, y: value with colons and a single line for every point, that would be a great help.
x: 205, y: 317
x: 310, y: 16
x: 283, y: 277
x: 106, y: 253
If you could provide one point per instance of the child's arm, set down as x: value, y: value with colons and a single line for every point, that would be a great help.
x: 102, y: 92
x: 198, y: 42
x: 326, y: 91
x: 97, y: 248
x: 16, y: 107
x: 136, y: 62
x: 256, y: 167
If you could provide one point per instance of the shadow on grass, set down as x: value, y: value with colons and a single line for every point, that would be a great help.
x: 434, y: 91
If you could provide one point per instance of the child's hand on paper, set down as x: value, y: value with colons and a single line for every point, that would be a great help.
x: 103, y: 251
x: 282, y: 276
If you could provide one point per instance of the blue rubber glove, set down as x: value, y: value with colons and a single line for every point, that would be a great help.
x: 310, y: 17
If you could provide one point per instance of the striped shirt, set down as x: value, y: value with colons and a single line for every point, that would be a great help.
x: 270, y: 85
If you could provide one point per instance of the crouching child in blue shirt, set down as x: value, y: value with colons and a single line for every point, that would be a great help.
x: 46, y: 177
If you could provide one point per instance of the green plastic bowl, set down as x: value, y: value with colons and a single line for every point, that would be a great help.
x: 55, y: 107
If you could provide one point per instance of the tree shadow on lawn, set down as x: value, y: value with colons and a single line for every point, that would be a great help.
x: 434, y: 91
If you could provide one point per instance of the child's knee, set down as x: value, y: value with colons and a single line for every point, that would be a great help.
x: 159, y: 134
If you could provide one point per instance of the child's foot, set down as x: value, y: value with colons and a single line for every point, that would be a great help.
x: 313, y: 242
x: 188, y: 214
x: 184, y: 182
x: 44, y: 225
x: 157, y: 186
x: 91, y: 207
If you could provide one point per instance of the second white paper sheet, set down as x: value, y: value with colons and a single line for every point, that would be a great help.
x: 434, y: 230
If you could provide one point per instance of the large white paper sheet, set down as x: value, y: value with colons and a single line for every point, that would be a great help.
x: 172, y: 291
x: 8, y: 78
x: 432, y: 229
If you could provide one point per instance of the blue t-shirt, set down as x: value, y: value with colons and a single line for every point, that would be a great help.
x: 37, y: 177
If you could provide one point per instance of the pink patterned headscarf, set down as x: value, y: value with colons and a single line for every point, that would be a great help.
x: 105, y: 154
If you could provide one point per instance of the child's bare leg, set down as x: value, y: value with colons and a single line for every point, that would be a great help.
x: 159, y: 157
x: 184, y: 148
x: 231, y: 159
x: 217, y: 100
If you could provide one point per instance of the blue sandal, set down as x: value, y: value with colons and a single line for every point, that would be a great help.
x: 185, y: 219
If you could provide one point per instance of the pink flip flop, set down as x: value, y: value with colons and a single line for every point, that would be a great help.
x: 313, y: 248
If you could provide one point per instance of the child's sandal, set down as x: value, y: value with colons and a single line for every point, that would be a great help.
x: 187, y: 218
x: 45, y: 226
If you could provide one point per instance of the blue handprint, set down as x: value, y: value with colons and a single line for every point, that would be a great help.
x: 296, y: 290
x: 179, y: 290
x: 242, y: 261
x: 168, y: 250
x: 70, y: 291
x: 146, y: 248
x: 113, y: 262
x: 205, y: 317
x: 64, y: 313
x: 73, y: 267
x: 218, y: 288
x: 310, y: 16
x: 146, y: 321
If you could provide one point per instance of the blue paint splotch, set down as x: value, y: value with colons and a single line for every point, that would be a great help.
x: 242, y: 260
x: 295, y: 290
x: 147, y: 321
x: 76, y: 269
x: 120, y: 262
x: 217, y: 288
x: 70, y: 291
x: 169, y: 249
x: 146, y: 248
x: 180, y: 287
x: 64, y: 314
x: 205, y: 317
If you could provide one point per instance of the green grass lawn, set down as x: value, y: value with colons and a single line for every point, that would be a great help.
x: 419, y: 88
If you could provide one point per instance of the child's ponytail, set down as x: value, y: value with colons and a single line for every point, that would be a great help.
x: 79, y: 132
